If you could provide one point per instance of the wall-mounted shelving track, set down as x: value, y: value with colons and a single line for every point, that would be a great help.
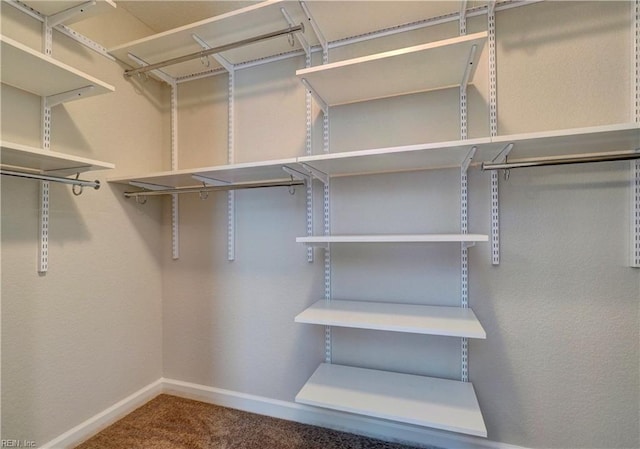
x: 55, y: 83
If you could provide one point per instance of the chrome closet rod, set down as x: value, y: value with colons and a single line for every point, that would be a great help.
x: 75, y: 182
x: 203, y: 189
x: 211, y: 51
x: 564, y: 160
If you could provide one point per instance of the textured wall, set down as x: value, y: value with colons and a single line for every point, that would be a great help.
x: 87, y: 334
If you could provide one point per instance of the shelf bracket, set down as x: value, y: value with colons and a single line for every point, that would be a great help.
x: 297, y: 174
x: 149, y: 186
x: 210, y: 181
x: 76, y: 94
x: 323, y: 105
x: 298, y: 35
x: 218, y: 57
x: 321, y: 176
x: 63, y: 16
x: 635, y: 165
x: 158, y: 73
x: 315, y: 27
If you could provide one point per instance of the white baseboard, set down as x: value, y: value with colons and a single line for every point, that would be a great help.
x: 96, y: 423
x: 372, y: 427
x: 376, y: 428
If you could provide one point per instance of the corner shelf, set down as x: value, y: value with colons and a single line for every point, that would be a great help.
x: 393, y: 238
x: 39, y: 74
x: 423, y: 401
x: 421, y: 68
x: 44, y: 161
x: 409, y: 318
x: 234, y: 26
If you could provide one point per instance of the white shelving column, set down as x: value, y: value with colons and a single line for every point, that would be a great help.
x: 43, y: 248
x: 635, y: 165
x: 175, y: 215
x: 493, y: 131
x: 231, y: 198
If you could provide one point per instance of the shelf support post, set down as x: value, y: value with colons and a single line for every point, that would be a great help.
x: 175, y: 212
x: 309, y: 152
x: 231, y: 199
x: 493, y: 131
x: 635, y: 165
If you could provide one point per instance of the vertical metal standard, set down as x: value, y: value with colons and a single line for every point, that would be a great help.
x: 43, y: 248
x: 635, y: 165
x: 326, y: 219
x: 175, y: 217
x: 464, y: 260
x: 493, y: 131
x: 309, y: 151
x: 231, y: 199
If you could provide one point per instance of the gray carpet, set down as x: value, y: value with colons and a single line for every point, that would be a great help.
x: 169, y: 422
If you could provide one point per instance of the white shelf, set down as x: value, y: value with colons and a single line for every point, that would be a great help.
x: 235, y: 26
x: 393, y: 238
x: 618, y: 137
x: 431, y: 66
x: 36, y: 159
x: 52, y: 7
x: 410, y: 318
x: 220, y: 175
x: 423, y: 401
x: 397, y: 159
x: 34, y: 72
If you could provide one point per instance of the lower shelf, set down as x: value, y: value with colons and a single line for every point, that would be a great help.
x: 424, y: 401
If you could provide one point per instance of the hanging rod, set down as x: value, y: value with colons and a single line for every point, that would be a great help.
x: 203, y: 189
x: 564, y: 160
x: 75, y: 182
x: 211, y: 51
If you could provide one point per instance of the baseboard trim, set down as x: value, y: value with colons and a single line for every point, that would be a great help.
x: 291, y: 411
x: 376, y: 428
x: 96, y: 423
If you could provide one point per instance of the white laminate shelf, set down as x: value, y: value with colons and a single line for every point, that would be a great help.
x: 216, y: 175
x: 235, y: 26
x: 53, y: 7
x: 393, y: 238
x: 33, y: 159
x: 409, y: 318
x: 617, y: 137
x: 39, y: 74
x: 421, y: 68
x: 423, y: 401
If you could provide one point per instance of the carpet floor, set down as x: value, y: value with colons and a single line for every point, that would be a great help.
x: 170, y: 422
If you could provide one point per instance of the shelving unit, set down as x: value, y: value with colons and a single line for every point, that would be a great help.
x: 409, y: 318
x: 39, y: 74
x: 42, y: 161
x: 423, y: 401
x: 421, y: 68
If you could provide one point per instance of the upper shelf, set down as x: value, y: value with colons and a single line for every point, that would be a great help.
x: 431, y: 66
x: 220, y: 175
x: 43, y: 161
x: 258, y: 19
x: 51, y: 8
x: 39, y: 74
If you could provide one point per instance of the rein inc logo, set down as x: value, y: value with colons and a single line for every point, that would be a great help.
x: 17, y: 443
